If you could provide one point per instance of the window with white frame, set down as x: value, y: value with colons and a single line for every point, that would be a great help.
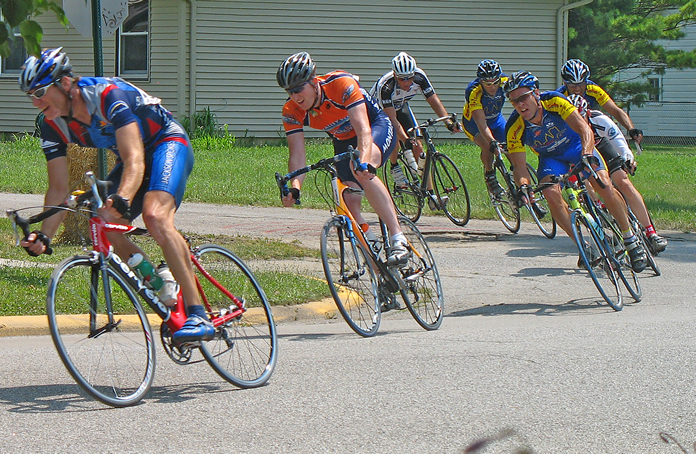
x: 134, y: 41
x: 18, y: 54
x: 655, y: 84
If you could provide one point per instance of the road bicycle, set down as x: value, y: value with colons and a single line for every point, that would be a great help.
x: 650, y: 251
x: 357, y: 272
x: 599, y: 241
x: 101, y: 330
x: 437, y: 181
x: 507, y: 205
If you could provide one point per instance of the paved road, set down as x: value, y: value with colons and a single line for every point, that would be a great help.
x: 526, y: 347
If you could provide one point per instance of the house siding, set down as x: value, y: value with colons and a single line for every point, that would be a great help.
x: 238, y: 46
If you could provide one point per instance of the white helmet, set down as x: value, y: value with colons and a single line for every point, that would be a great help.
x: 404, y: 65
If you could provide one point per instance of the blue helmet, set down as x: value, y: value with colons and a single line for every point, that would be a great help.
x: 44, y: 70
x: 488, y: 69
x: 520, y: 79
x: 575, y: 71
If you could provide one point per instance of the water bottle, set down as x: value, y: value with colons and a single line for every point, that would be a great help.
x: 410, y: 159
x: 144, y: 268
x: 421, y: 165
x: 372, y: 240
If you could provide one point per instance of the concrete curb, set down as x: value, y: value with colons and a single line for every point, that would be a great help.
x: 37, y: 325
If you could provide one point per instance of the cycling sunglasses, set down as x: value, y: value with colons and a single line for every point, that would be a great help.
x: 406, y: 78
x: 40, y: 92
x: 296, y: 90
x: 490, y: 83
x: 521, y: 97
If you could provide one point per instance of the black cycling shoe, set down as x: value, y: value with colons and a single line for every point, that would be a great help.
x: 494, y: 188
x: 539, y: 210
x: 639, y: 260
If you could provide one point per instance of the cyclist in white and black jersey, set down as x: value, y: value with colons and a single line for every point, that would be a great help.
x: 393, y: 91
x: 613, y: 147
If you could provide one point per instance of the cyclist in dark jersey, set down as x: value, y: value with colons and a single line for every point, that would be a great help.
x: 154, y: 160
x: 483, y: 120
x: 393, y: 91
x: 551, y: 126
x: 576, y: 81
x: 335, y: 103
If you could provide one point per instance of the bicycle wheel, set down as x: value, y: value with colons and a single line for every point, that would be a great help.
x: 612, y: 235
x: 596, y: 260
x: 351, y: 278
x: 450, y: 189
x: 422, y: 290
x: 408, y: 201
x: 649, y: 251
x: 245, y: 349
x: 506, y: 206
x: 113, y: 362
x: 545, y: 222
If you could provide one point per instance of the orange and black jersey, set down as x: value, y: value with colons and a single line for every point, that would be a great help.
x: 339, y: 91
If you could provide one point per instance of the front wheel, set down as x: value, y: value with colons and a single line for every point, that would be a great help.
x: 450, y: 189
x: 245, y: 348
x: 542, y: 214
x: 595, y: 259
x: 111, y: 358
x: 351, y: 278
x: 505, y: 205
x: 422, y: 290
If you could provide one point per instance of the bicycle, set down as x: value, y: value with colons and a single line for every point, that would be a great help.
x: 599, y: 241
x: 507, y: 205
x: 357, y: 272
x: 647, y: 245
x: 448, y: 190
x: 103, y: 335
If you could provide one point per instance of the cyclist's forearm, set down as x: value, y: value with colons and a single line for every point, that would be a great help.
x: 437, y: 106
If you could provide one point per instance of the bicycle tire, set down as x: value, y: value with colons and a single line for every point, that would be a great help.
x: 422, y: 289
x: 505, y: 206
x: 408, y: 201
x: 614, y: 238
x: 599, y: 266
x: 351, y: 278
x: 547, y: 224
x: 245, y: 349
x: 448, y: 182
x: 113, y: 364
x: 649, y: 251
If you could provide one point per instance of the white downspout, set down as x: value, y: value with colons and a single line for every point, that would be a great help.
x: 562, y: 36
x: 192, y: 60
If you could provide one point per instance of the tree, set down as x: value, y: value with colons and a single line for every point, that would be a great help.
x: 614, y: 35
x: 19, y: 13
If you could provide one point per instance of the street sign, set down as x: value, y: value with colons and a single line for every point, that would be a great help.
x: 113, y: 12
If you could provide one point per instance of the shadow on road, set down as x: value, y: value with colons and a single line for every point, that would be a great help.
x: 576, y: 305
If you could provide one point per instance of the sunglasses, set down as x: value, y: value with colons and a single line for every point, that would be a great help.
x: 296, y: 90
x: 405, y: 79
x: 490, y: 83
x: 569, y: 85
x: 521, y: 97
x: 39, y: 92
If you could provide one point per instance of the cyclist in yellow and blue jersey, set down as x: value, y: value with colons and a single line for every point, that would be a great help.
x: 552, y: 127
x: 576, y: 81
x: 483, y: 120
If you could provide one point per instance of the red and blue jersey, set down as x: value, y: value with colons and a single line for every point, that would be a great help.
x: 113, y: 103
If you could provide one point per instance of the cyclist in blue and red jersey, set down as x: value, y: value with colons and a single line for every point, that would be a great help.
x: 393, y: 91
x: 154, y: 160
x: 552, y: 127
x: 483, y: 120
x: 336, y: 104
x: 576, y: 81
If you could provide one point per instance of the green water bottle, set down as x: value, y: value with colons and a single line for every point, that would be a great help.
x: 144, y: 268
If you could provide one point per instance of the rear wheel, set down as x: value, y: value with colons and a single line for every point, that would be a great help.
x: 422, y: 291
x: 506, y: 206
x: 351, y: 279
x: 595, y: 259
x: 407, y: 200
x: 112, y: 359
x: 612, y: 235
x: 450, y: 189
x: 649, y: 251
x: 245, y: 348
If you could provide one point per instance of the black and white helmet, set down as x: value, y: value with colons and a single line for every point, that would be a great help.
x: 575, y: 71
x: 581, y: 104
x: 44, y: 70
x: 403, y: 65
x: 296, y: 70
x: 488, y: 69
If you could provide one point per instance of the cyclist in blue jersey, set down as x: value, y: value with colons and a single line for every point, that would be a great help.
x: 576, y: 81
x: 393, y: 91
x: 551, y: 126
x: 483, y: 120
x: 154, y: 160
